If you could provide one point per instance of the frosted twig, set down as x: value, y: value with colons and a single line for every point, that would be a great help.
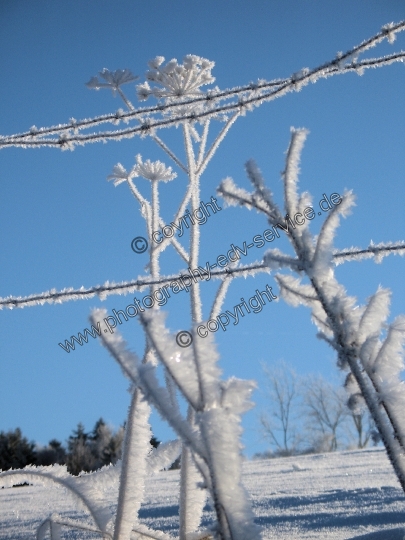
x: 72, y: 524
x: 171, y: 154
x: 144, y: 376
x: 203, y: 142
x: 201, y: 168
x: 352, y: 330
x: 52, y: 474
x: 179, y: 213
x: 147, y: 212
x: 220, y: 297
x: 125, y: 99
x: 195, y: 298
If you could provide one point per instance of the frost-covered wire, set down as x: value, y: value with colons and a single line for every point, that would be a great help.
x: 376, y: 251
x: 126, y: 287
x: 246, y: 97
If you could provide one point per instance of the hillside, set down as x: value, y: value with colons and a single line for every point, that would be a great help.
x: 344, y: 495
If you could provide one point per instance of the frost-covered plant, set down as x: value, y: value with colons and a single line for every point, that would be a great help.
x: 199, y: 464
x: 210, y: 431
x: 353, y: 331
x: 113, y: 80
x: 176, y: 80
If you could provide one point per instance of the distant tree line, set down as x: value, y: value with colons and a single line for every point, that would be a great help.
x: 308, y: 414
x: 84, y: 451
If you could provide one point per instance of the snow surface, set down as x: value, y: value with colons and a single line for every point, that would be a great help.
x: 344, y: 495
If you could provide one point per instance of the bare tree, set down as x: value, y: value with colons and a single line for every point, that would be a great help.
x: 364, y: 428
x: 328, y: 420
x: 326, y: 413
x: 279, y: 422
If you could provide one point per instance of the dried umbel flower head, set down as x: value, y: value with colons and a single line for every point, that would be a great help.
x: 150, y: 170
x: 153, y: 171
x: 113, y: 79
x: 176, y: 80
x: 119, y: 174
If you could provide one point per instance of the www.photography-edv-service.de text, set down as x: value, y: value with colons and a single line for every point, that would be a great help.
x: 184, y: 281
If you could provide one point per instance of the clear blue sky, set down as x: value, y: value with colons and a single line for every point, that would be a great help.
x: 63, y: 225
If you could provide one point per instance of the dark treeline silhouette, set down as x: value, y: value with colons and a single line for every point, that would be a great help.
x: 84, y: 451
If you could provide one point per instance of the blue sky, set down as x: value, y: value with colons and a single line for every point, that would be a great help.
x: 63, y: 225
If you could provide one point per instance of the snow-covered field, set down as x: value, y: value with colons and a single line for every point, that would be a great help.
x: 344, y: 495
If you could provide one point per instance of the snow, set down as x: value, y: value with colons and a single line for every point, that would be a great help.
x: 343, y: 495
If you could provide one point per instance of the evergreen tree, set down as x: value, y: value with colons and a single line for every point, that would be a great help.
x: 79, y: 457
x: 51, y: 454
x: 15, y: 450
x: 91, y: 451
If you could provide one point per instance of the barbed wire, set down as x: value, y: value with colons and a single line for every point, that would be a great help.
x: 249, y: 96
x: 378, y: 251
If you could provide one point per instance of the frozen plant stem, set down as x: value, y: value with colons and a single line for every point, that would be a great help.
x: 375, y: 367
x: 195, y: 227
x: 133, y: 471
x: 393, y: 446
x: 192, y: 497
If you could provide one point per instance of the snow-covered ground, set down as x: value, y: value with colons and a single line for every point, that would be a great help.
x: 344, y: 495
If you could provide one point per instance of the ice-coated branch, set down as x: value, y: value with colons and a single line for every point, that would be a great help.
x: 203, y: 142
x: 180, y: 212
x: 171, y: 154
x: 194, y: 183
x: 179, y: 363
x: 55, y: 522
x: 353, y: 331
x: 294, y: 292
x: 145, y: 379
x: 220, y: 296
x: 217, y: 419
x: 144, y: 376
x: 323, y: 253
x: 86, y: 495
x: 163, y: 456
x: 260, y: 199
x: 144, y: 533
x: 291, y: 172
x: 134, y: 466
x: 192, y: 492
x: 120, y: 175
x: 378, y: 405
x: 203, y: 161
